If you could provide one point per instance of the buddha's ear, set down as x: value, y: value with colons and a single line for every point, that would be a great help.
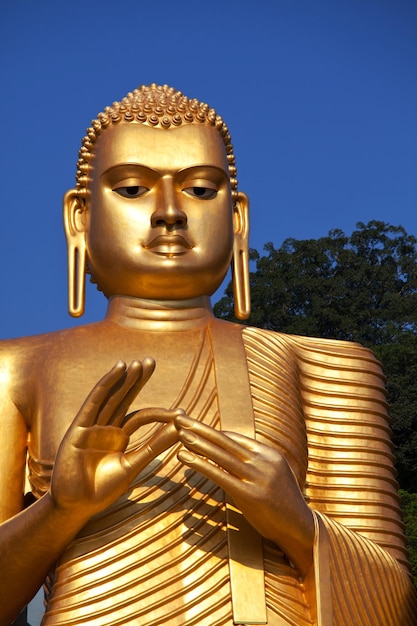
x: 241, y: 217
x: 240, y: 262
x: 74, y: 214
x: 75, y: 225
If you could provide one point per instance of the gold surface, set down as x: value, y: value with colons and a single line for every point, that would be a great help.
x: 130, y: 523
x: 247, y: 584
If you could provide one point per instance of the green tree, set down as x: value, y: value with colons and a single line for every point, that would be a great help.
x: 409, y: 507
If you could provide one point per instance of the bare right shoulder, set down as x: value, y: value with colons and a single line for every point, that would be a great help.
x: 15, y: 356
x: 13, y: 426
x: 23, y: 363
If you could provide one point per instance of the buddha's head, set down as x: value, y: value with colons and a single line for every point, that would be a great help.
x: 156, y: 212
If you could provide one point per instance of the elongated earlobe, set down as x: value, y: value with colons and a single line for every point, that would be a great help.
x: 76, y: 280
x: 240, y: 261
x: 74, y: 224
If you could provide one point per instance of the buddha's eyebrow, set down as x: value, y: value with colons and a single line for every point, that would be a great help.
x: 203, y: 166
x: 131, y: 166
x: 138, y: 168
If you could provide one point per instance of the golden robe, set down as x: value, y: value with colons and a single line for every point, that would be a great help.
x: 159, y: 554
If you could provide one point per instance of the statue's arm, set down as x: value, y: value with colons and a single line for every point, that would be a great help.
x: 29, y: 541
x: 30, y: 544
x: 351, y: 476
x: 13, y: 442
x: 351, y: 483
x: 91, y: 470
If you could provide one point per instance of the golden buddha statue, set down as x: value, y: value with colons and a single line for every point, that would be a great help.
x: 130, y: 523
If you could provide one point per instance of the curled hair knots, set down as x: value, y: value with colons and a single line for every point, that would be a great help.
x: 158, y: 106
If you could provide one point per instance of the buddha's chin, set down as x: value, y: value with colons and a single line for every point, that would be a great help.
x: 172, y: 276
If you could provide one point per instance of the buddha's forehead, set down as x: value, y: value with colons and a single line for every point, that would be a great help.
x: 161, y: 149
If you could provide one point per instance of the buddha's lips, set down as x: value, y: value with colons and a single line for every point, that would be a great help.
x: 169, y: 244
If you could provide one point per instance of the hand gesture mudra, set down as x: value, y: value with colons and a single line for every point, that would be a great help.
x: 260, y: 481
x: 92, y: 467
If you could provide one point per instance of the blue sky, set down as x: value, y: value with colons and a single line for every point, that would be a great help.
x: 320, y: 97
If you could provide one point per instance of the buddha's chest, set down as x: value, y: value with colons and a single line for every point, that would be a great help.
x: 65, y: 378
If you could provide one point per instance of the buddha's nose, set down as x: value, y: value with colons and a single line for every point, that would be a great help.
x: 168, y: 213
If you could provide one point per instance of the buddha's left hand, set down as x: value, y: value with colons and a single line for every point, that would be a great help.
x: 259, y: 480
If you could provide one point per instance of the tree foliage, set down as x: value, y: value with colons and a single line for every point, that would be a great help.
x: 360, y: 288
x: 409, y: 507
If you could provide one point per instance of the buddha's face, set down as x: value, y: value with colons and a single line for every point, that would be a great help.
x: 159, y: 220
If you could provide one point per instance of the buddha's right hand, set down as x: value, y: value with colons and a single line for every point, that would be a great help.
x: 92, y: 468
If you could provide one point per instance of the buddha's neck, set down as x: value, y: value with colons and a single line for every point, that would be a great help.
x: 159, y: 315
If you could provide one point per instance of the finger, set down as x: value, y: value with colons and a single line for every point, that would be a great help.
x: 228, y: 458
x: 135, y: 420
x: 125, y: 391
x: 161, y: 441
x: 90, y: 408
x: 118, y: 392
x: 243, y: 440
x: 231, y: 484
x: 148, y: 367
x: 217, y: 437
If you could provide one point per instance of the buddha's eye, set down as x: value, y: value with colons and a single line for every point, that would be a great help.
x: 205, y: 193
x: 131, y: 191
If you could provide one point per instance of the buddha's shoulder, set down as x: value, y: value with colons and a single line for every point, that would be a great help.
x: 312, y: 349
x: 47, y: 344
